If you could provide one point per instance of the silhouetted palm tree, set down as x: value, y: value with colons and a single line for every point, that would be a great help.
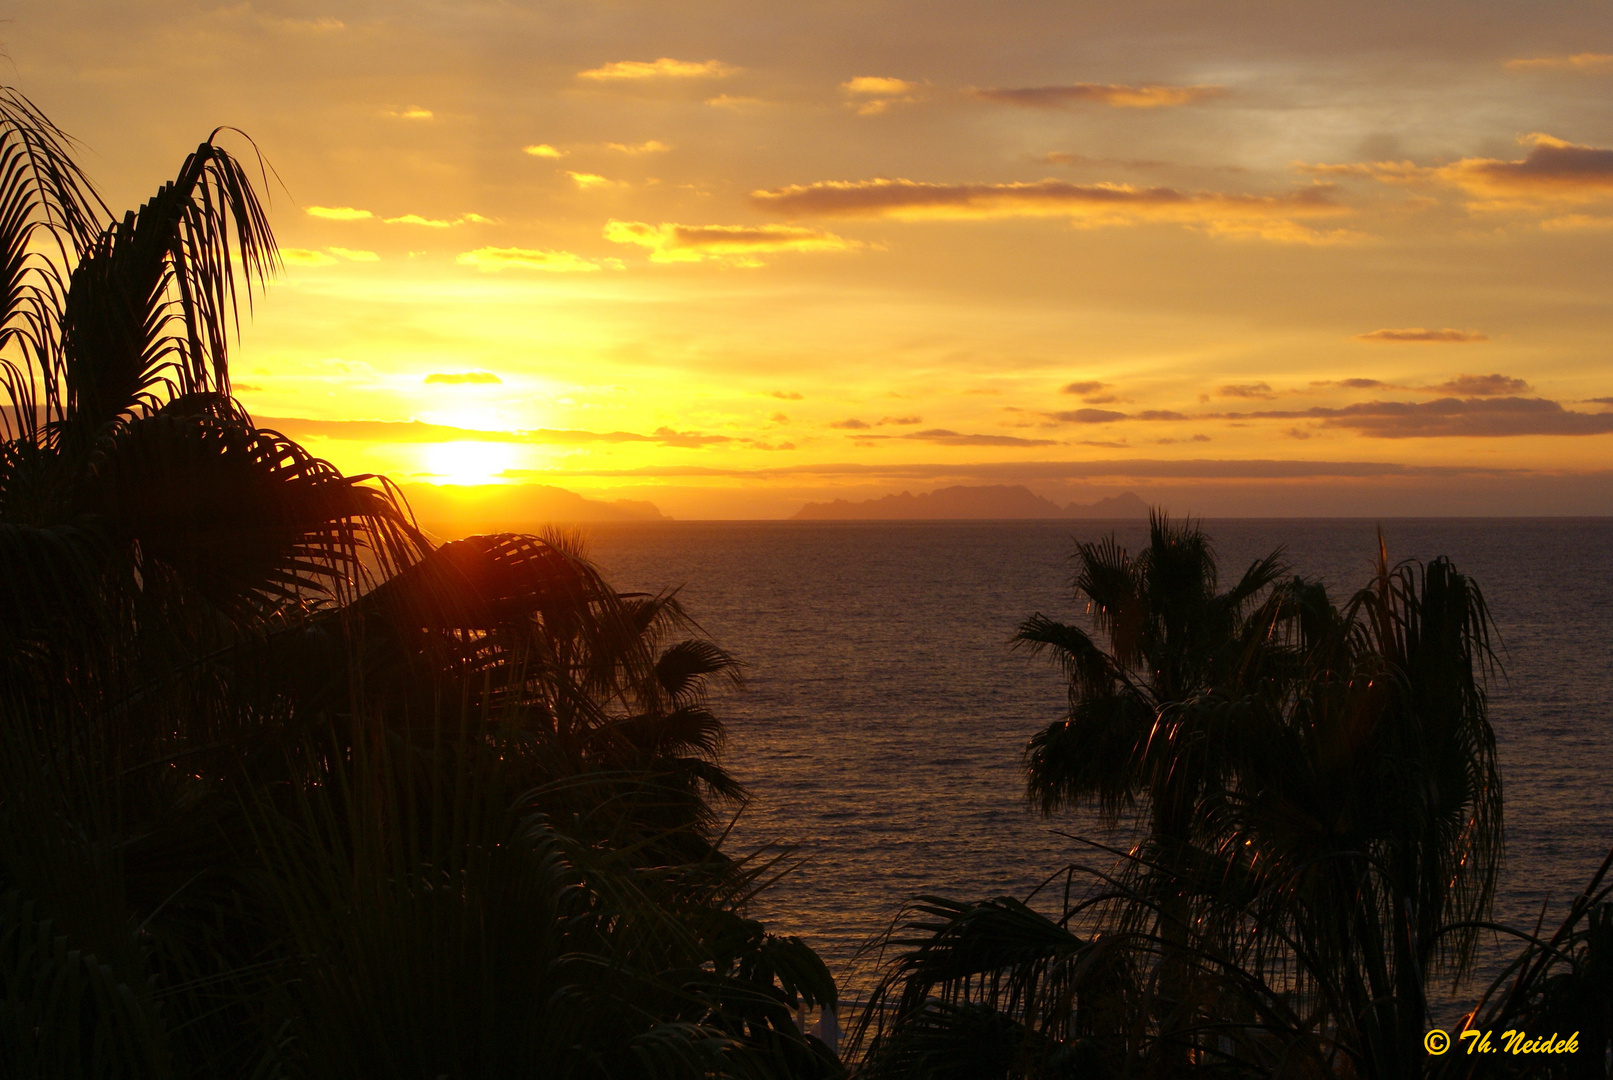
x: 1168, y: 634
x: 285, y: 789
x: 1333, y: 846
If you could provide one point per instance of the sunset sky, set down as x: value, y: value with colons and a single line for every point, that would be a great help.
x: 1240, y: 258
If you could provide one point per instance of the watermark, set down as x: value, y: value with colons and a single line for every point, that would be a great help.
x: 1514, y: 1042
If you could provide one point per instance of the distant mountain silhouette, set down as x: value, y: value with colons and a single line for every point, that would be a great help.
x: 463, y: 511
x: 993, y: 501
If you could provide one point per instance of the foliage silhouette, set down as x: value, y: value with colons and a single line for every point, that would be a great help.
x: 286, y: 790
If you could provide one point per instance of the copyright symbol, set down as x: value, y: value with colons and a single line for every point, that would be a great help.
x: 1436, y: 1042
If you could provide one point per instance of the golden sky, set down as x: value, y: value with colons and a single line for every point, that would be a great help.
x: 1240, y: 258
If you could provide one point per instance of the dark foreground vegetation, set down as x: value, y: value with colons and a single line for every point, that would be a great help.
x: 286, y: 790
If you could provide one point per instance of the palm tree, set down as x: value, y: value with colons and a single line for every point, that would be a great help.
x: 281, y: 782
x: 1332, y: 844
x: 1168, y: 635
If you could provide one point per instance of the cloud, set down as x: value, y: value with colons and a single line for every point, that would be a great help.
x: 734, y: 244
x: 851, y: 425
x: 415, y: 431
x: 416, y: 219
x: 414, y: 112
x: 305, y: 257
x: 877, y: 86
x: 1449, y: 417
x: 785, y: 395
x: 339, y: 213
x: 354, y: 255
x: 587, y: 180
x: 494, y: 259
x: 1149, y: 96
x: 460, y: 377
x: 543, y: 150
x: 736, y: 103
x: 1423, y: 335
x: 1086, y: 386
x: 1351, y: 384
x: 1578, y: 62
x: 1086, y: 416
x: 1553, y: 171
x: 1271, y: 216
x: 900, y: 420
x: 1140, y: 468
x: 1246, y: 390
x: 664, y: 68
x: 876, y: 93
x: 1483, y: 386
x: 651, y: 146
x: 953, y: 438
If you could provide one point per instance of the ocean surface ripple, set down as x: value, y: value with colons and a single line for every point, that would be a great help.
x: 885, y: 716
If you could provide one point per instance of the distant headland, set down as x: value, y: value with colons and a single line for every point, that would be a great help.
x: 988, y: 501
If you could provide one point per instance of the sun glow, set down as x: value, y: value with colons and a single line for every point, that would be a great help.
x: 469, y: 462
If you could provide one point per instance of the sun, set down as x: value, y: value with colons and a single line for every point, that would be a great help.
x: 468, y: 463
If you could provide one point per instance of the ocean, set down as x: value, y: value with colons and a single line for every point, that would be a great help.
x: 884, y: 717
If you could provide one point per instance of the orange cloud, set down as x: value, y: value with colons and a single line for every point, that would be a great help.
x: 1483, y: 386
x: 875, y: 94
x: 1270, y: 216
x: 1246, y: 390
x: 304, y: 257
x: 588, y: 180
x: 1423, y: 335
x: 735, y: 244
x: 1151, y: 96
x: 339, y: 213
x: 355, y: 256
x: 664, y: 68
x: 877, y: 86
x: 1578, y: 62
x: 1552, y: 169
x: 652, y: 146
x: 543, y: 150
x: 494, y: 259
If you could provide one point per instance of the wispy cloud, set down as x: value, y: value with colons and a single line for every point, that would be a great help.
x: 739, y: 245
x: 1271, y: 216
x: 1423, y: 335
x: 413, y: 112
x: 1086, y: 416
x: 651, y: 146
x: 1585, y: 61
x: 455, y: 378
x: 874, y: 94
x: 1245, y: 390
x: 415, y: 431
x: 1448, y: 417
x: 1115, y: 95
x: 1085, y: 386
x: 1552, y: 171
x: 588, y: 180
x: 1483, y: 386
x: 543, y: 150
x: 945, y: 437
x: 494, y: 259
x: 305, y: 257
x: 350, y: 213
x: 784, y: 395
x: 355, y: 255
x: 735, y: 102
x: 664, y: 68
x: 339, y: 213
